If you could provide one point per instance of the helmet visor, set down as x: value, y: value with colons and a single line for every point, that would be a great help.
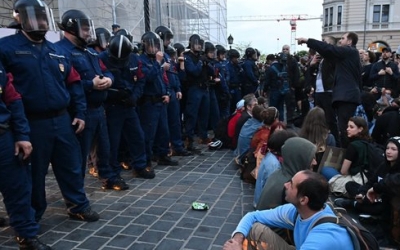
x: 197, y: 44
x: 86, y: 30
x: 152, y: 46
x: 36, y: 18
x: 102, y: 40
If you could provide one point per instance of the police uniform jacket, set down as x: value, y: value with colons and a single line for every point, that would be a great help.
x: 88, y: 64
x: 11, y: 108
x: 43, y: 75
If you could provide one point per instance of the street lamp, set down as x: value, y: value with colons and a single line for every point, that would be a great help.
x: 230, y: 41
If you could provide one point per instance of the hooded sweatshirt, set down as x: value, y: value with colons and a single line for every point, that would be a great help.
x: 297, y: 154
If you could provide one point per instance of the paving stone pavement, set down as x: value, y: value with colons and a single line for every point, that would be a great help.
x: 152, y: 214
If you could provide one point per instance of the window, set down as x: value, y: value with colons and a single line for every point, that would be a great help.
x: 326, y: 17
x: 381, y: 13
x: 330, y: 16
x: 339, y: 15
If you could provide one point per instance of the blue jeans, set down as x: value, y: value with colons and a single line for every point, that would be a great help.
x: 16, y: 187
x: 54, y: 142
x: 123, y: 122
x: 276, y: 99
x: 329, y: 172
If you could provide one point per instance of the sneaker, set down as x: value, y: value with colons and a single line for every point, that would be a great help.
x: 86, y: 215
x: 3, y: 222
x: 145, y: 173
x: 31, y: 244
x: 183, y: 152
x: 94, y: 172
x: 126, y: 166
x: 166, y: 161
x: 118, y: 184
x: 344, y: 203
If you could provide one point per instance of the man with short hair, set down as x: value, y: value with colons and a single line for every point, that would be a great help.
x: 346, y: 88
x: 250, y: 101
x: 307, y: 193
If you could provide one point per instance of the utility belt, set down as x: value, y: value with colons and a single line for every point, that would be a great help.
x: 151, y: 98
x: 4, y: 127
x: 45, y: 115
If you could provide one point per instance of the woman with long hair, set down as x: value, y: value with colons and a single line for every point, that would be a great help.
x: 316, y: 130
x: 353, y: 165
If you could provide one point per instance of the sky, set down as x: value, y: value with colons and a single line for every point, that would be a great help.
x: 264, y: 35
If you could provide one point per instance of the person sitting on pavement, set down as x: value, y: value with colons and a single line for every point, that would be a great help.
x: 250, y: 101
x: 298, y: 154
x: 307, y: 193
x: 272, y: 160
x: 233, y: 121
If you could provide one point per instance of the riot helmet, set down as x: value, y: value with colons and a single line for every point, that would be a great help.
x: 165, y: 34
x: 79, y: 25
x: 171, y: 51
x: 35, y: 17
x: 196, y: 43
x: 151, y: 43
x: 179, y: 48
x: 124, y: 32
x: 103, y: 36
x: 119, y: 50
x: 233, y: 53
x: 209, y: 48
x: 220, y: 49
x: 257, y: 53
x: 250, y: 53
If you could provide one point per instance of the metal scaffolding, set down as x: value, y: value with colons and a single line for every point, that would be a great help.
x: 208, y: 18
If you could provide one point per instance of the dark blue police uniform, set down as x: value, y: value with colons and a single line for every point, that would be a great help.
x: 122, y: 118
x: 15, y: 181
x: 251, y: 75
x: 152, y: 110
x: 47, y: 83
x: 88, y: 65
x: 234, y: 83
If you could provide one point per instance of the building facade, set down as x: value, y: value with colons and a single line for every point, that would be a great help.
x: 377, y: 22
x: 208, y: 18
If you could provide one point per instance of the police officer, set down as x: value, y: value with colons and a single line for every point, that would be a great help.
x: 223, y: 94
x: 197, y: 109
x: 103, y: 36
x: 251, y: 73
x: 96, y: 79
x: 235, y: 78
x: 48, y: 83
x: 171, y: 68
x: 122, y: 118
x: 153, y: 104
x: 124, y: 32
x: 15, y: 149
x: 115, y: 27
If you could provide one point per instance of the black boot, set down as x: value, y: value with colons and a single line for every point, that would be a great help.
x: 31, y: 244
x: 166, y: 161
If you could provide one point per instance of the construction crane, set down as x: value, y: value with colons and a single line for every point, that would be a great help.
x: 291, y: 18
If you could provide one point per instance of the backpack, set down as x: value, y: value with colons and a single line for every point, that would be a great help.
x: 283, y: 79
x: 374, y: 157
x: 361, y: 237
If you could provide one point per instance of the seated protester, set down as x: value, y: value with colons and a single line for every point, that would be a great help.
x: 316, y: 131
x: 272, y: 160
x: 233, y: 121
x: 366, y: 108
x: 249, y: 102
x: 298, y: 154
x: 353, y: 166
x: 306, y: 194
x: 384, y: 183
x: 262, y: 101
x: 270, y: 115
x: 386, y: 125
x: 248, y: 130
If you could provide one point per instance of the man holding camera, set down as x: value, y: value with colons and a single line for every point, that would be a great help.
x: 384, y: 74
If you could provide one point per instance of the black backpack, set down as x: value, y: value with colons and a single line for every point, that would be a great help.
x: 361, y: 237
x: 375, y: 155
